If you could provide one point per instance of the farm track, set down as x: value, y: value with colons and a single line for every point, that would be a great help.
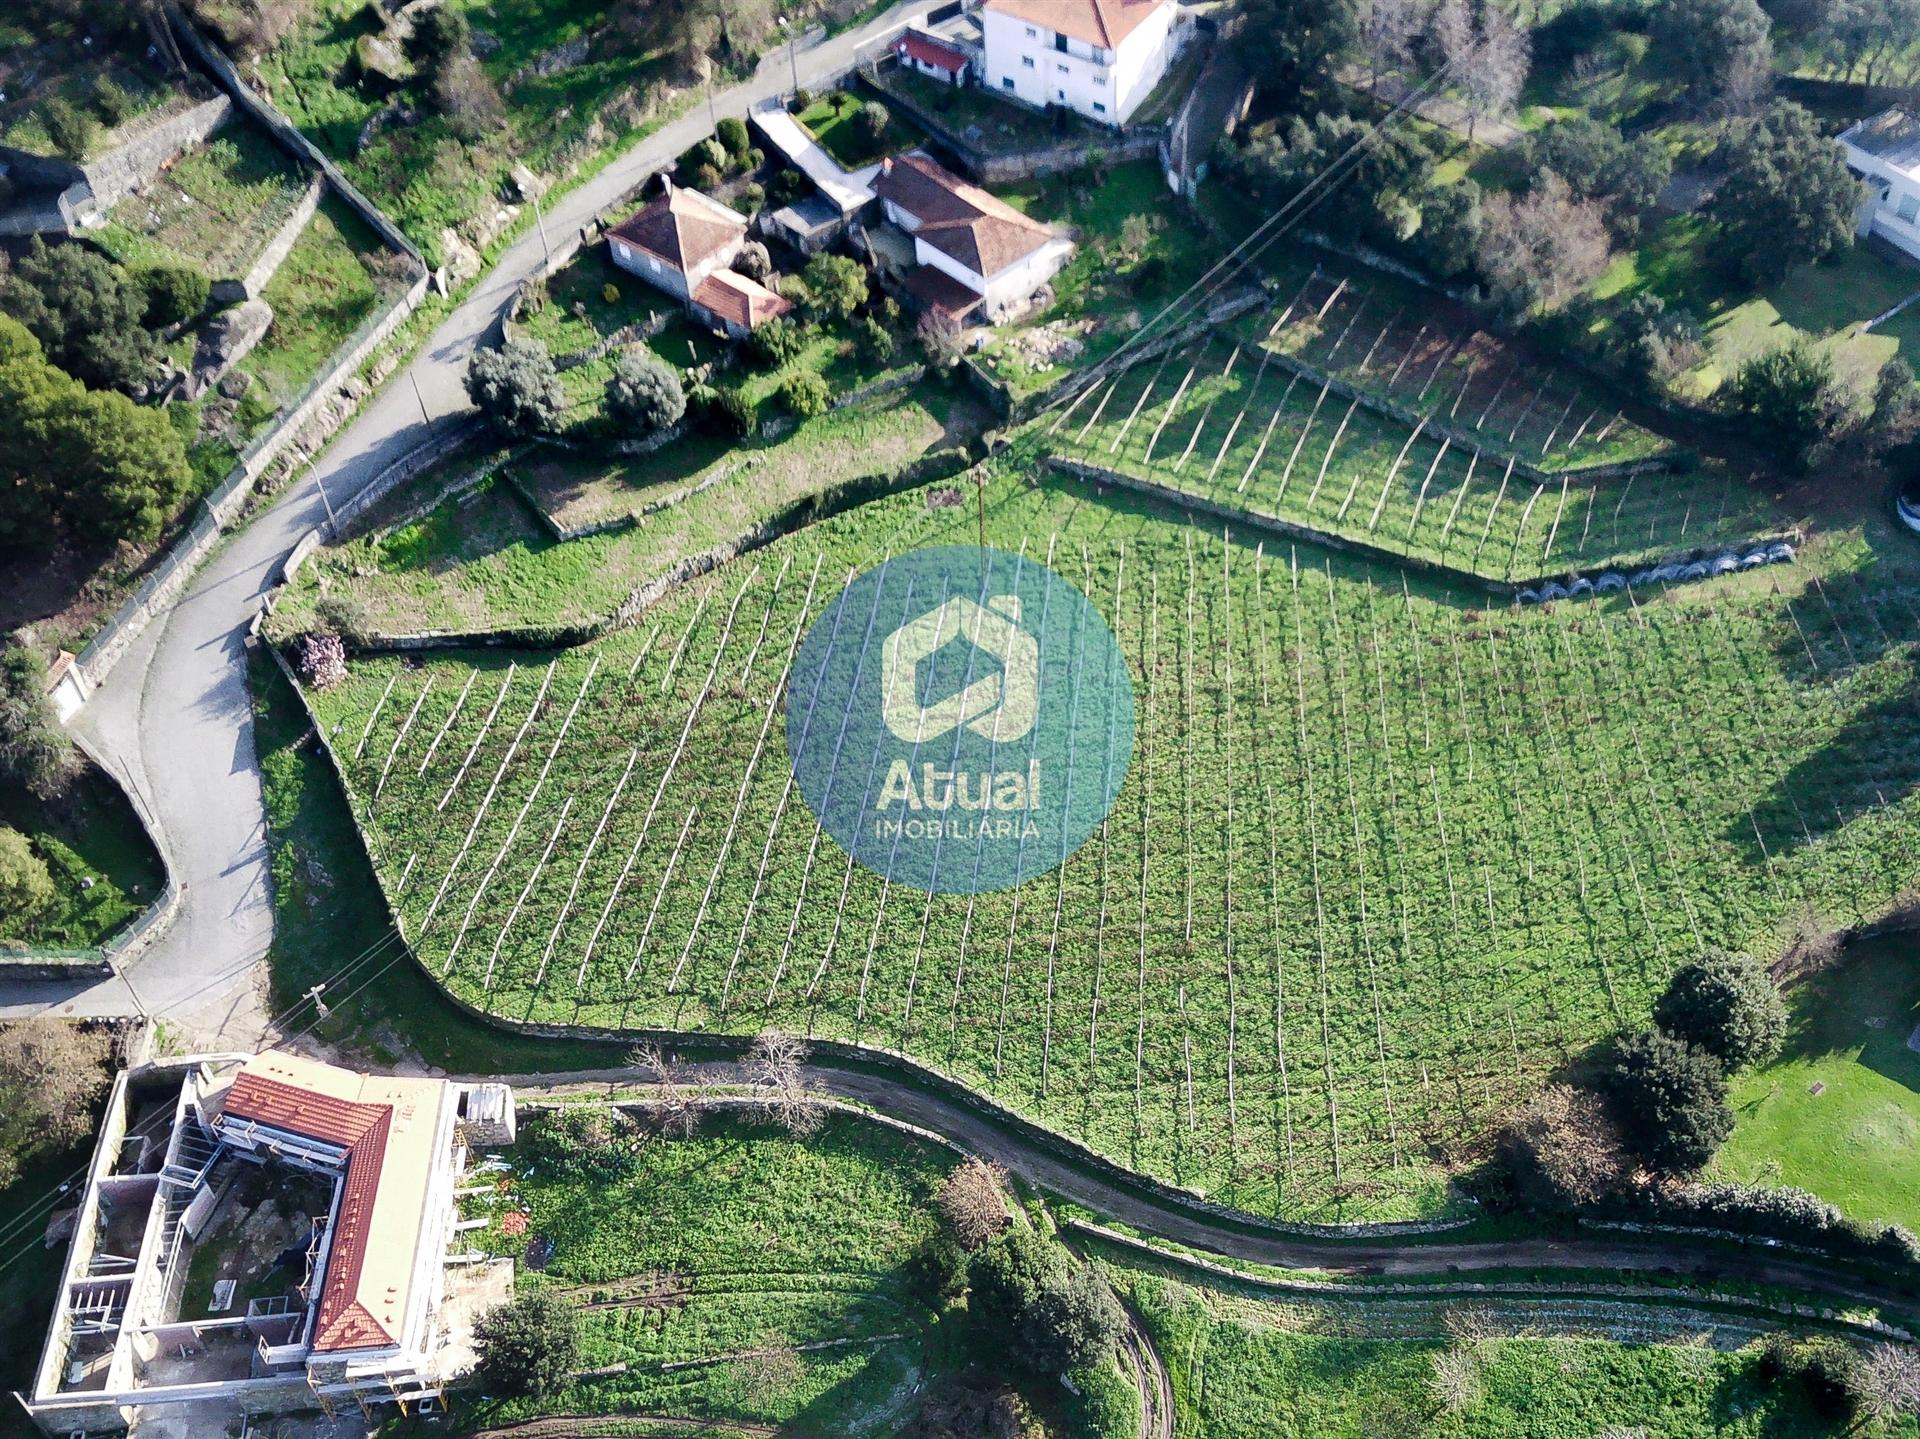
x: 991, y: 1138
x: 606, y: 1426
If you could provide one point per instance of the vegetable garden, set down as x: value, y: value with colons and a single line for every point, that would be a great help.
x: 1381, y: 861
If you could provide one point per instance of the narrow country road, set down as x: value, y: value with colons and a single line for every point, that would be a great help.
x: 172, y: 721
x: 981, y: 1133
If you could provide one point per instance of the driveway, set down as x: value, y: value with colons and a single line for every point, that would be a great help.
x: 172, y: 721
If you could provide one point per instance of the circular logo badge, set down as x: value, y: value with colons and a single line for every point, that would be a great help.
x: 960, y: 719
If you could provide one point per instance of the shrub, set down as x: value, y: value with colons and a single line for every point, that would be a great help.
x: 111, y: 102
x: 1825, y: 1367
x: 587, y: 1141
x: 517, y: 387
x: 1726, y: 1005
x: 1562, y: 1149
x: 1075, y: 1323
x: 788, y: 185
x: 1671, y: 1101
x: 70, y: 128
x: 35, y: 753
x: 722, y: 412
x: 775, y: 342
x: 51, y: 1073
x: 1025, y: 1288
x: 320, y: 659
x: 973, y: 1202
x: 610, y: 293
x: 802, y: 97
x: 530, y: 1346
x: 1792, y: 400
x: 644, y: 393
x: 805, y: 394
x: 26, y: 888
x: 173, y: 293
x: 870, y: 124
x: 440, y: 35
x: 875, y: 341
x: 836, y: 286
x: 704, y: 177
x: 941, y: 1267
x: 752, y: 198
x: 731, y: 132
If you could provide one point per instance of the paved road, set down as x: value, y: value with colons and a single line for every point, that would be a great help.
x: 172, y: 720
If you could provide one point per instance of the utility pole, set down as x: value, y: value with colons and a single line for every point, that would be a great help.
x: 541, y: 221
x: 980, y: 507
x: 414, y: 376
x: 794, y: 61
x: 333, y: 522
x: 318, y: 1003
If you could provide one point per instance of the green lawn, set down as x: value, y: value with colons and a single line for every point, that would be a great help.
x: 320, y: 295
x: 752, y: 1240
x: 833, y: 120
x: 105, y: 869
x: 214, y: 209
x: 1248, y: 1370
x: 978, y: 117
x: 1856, y: 1142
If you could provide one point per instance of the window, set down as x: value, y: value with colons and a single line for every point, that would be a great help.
x: 621, y: 250
x: 1063, y: 69
x: 1908, y: 208
x: 1032, y: 34
x: 1006, y: 82
x: 1061, y: 93
x: 1060, y: 43
x: 1099, y: 79
x: 1098, y: 108
x: 1027, y: 60
x: 653, y: 264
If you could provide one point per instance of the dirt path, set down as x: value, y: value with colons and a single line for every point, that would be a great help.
x: 1149, y: 1212
x: 591, y: 1426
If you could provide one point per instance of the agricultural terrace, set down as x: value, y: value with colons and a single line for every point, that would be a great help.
x: 691, y: 1254
x: 1382, y: 858
x: 1456, y: 468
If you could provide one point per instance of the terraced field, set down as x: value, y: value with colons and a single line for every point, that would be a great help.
x: 1381, y: 860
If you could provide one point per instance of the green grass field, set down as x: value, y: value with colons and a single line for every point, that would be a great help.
x: 213, y: 210
x: 739, y: 1239
x: 1838, y: 1113
x: 1243, y: 1369
x: 104, y: 868
x: 1381, y: 859
x: 832, y: 120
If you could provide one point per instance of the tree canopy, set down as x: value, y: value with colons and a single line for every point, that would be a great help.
x: 88, y: 314
x: 1299, y: 42
x: 1599, y: 163
x: 35, y: 753
x: 517, y: 387
x: 26, y: 887
x: 644, y: 392
x: 1792, y: 401
x: 1726, y: 1005
x: 530, y: 1346
x: 1025, y: 1288
x: 1788, y: 197
x: 1719, y: 48
x: 1671, y: 1101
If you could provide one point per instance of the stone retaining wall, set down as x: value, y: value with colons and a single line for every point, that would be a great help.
x: 263, y: 269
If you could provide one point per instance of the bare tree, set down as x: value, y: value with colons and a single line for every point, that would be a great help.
x: 1540, y: 249
x: 939, y: 336
x: 1890, y: 1382
x: 1455, y: 1381
x: 1387, y: 32
x: 679, y: 1104
x: 1488, y: 54
x: 973, y: 1201
x: 776, y: 1065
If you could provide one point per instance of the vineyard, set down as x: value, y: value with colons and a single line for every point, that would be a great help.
x: 1403, y: 439
x: 1382, y: 859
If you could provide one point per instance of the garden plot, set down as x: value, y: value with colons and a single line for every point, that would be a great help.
x: 1470, y: 381
x: 1226, y: 422
x: 1380, y: 862
x: 213, y: 210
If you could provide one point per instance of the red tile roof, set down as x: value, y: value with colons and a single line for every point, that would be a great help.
x: 983, y: 233
x: 378, y: 1122
x: 1098, y: 22
x: 736, y: 298
x: 683, y: 227
x: 937, y: 290
x: 929, y: 51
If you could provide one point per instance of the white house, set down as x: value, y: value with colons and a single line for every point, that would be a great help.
x: 934, y: 56
x: 1885, y: 152
x: 683, y: 243
x: 1100, y: 58
x: 972, y: 251
x: 356, y: 1175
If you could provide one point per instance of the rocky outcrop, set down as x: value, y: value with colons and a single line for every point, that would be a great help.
x: 227, y: 339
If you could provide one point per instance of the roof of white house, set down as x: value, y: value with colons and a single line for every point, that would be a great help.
x: 1098, y: 22
x: 387, y: 1126
x: 1892, y: 137
x: 683, y: 227
x: 848, y: 190
x: 961, y: 220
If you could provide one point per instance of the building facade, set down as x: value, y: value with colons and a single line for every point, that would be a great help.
x: 1098, y: 58
x: 1885, y: 152
x: 986, y: 254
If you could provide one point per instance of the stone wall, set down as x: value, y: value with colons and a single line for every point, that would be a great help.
x: 121, y: 171
x: 263, y: 269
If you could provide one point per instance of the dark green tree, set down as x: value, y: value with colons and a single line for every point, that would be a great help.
x: 731, y: 132
x: 836, y: 286
x: 775, y: 342
x: 1075, y: 1322
x: 1671, y: 1101
x: 1726, y: 1005
x: 1006, y: 1277
x: 26, y: 888
x: 871, y: 124
x: 86, y: 313
x: 173, y: 293
x: 1372, y: 200
x: 1598, y: 163
x: 1791, y: 401
x: 530, y: 1346
x: 805, y: 394
x: 35, y: 753
x: 440, y: 35
x: 69, y: 127
x: 1451, y: 225
x: 1788, y: 197
x: 517, y: 387
x: 1715, y: 47
x: 1293, y: 47
x: 644, y: 393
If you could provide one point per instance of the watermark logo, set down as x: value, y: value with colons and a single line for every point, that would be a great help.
x: 960, y: 719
